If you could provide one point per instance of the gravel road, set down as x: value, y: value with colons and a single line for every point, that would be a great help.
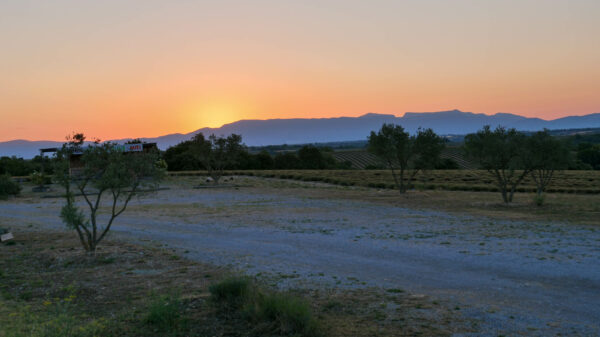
x: 508, y: 278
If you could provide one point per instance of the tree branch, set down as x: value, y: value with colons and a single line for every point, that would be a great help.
x: 114, y: 215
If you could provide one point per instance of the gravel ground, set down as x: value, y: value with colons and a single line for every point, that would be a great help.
x: 506, y: 277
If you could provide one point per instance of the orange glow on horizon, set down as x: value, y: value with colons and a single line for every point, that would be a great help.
x: 120, y: 70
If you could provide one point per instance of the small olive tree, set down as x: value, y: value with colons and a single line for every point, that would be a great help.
x: 217, y: 153
x: 544, y: 156
x: 105, y: 171
x: 502, y: 153
x: 403, y: 154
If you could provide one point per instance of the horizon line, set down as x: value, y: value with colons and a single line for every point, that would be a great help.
x: 315, y: 118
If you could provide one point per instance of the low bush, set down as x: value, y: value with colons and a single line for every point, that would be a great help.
x: 232, y: 291
x: 40, y: 179
x: 164, y: 313
x: 282, y: 314
x: 8, y: 187
x: 271, y: 313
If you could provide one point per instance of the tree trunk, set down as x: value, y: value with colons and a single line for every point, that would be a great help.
x: 398, y: 185
x: 402, y: 185
x: 504, y: 195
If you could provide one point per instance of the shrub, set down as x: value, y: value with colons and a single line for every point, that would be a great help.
x: 270, y: 313
x: 232, y: 291
x: 164, y: 313
x: 284, y: 314
x: 8, y: 187
x: 39, y: 179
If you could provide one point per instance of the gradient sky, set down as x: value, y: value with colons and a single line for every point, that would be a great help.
x: 116, y: 69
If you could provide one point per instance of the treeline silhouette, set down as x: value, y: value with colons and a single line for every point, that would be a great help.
x: 584, y: 148
x: 186, y: 157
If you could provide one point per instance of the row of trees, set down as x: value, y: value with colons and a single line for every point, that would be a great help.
x: 509, y: 156
x: 216, y: 154
x: 20, y: 167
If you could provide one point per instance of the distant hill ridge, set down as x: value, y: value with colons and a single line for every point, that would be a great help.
x: 323, y: 130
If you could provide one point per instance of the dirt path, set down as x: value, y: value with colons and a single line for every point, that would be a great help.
x: 509, y: 277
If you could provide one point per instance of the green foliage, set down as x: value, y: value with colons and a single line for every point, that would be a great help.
x: 496, y: 149
x: 544, y: 155
x: 8, y: 187
x: 179, y: 158
x: 587, y: 137
x: 428, y: 148
x: 284, y: 314
x: 447, y: 164
x: 20, y: 167
x: 501, y: 152
x: 271, y: 313
x: 106, y: 169
x: 165, y: 313
x: 72, y: 216
x: 59, y: 319
x: 263, y: 161
x: 286, y: 161
x: 405, y: 153
x: 232, y: 291
x: 39, y: 179
x: 216, y: 153
x: 589, y: 154
x: 313, y: 158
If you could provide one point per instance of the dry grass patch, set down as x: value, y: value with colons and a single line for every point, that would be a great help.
x: 50, y: 287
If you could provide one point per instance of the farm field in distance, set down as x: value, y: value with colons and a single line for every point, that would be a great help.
x: 581, y: 182
x: 361, y: 158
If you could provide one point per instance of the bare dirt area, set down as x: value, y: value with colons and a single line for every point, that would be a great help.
x: 498, y: 276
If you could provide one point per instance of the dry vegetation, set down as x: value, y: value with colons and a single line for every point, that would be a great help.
x: 578, y: 182
x: 581, y: 208
x: 50, y: 287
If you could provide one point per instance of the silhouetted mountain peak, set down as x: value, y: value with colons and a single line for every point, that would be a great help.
x: 322, y: 130
x: 376, y: 115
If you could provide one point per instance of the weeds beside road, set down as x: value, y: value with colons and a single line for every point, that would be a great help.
x: 50, y: 287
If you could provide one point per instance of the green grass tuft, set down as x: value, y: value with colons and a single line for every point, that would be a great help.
x: 164, y: 313
x: 232, y: 291
x: 284, y: 314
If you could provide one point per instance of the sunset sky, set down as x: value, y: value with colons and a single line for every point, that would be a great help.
x: 116, y: 69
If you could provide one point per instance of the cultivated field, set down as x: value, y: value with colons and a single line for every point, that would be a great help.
x: 361, y: 158
x: 580, y: 182
x: 369, y: 261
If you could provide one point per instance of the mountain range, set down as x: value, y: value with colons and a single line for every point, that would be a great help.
x: 322, y: 130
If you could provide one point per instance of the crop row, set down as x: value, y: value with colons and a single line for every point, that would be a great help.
x: 361, y: 159
x: 584, y: 182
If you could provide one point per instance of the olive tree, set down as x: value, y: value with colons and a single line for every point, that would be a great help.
x: 216, y: 153
x: 544, y: 156
x: 501, y: 152
x: 106, y: 173
x: 403, y: 154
